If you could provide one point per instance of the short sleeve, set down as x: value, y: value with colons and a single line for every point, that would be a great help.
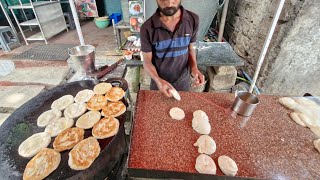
x: 195, y: 29
x: 146, y: 45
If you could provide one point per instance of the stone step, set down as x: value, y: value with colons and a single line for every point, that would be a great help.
x: 51, y: 76
x: 12, y: 97
x: 224, y: 80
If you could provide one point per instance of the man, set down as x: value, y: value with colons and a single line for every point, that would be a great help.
x: 167, y: 40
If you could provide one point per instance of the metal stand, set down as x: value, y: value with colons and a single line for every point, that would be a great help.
x: 76, y: 21
x: 8, y: 18
x: 48, y: 17
x: 117, y: 31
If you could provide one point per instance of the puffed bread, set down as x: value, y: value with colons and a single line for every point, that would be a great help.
x: 84, y: 153
x: 97, y: 102
x: 105, y: 128
x: 41, y: 165
x: 84, y: 95
x: 88, y: 120
x: 68, y: 139
x: 63, y: 102
x: 47, y: 117
x: 31, y: 146
x: 102, y: 88
x: 59, y: 125
x: 75, y: 110
x: 114, y: 109
x: 115, y: 94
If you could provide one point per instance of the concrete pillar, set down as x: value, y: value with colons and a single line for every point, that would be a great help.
x: 145, y: 80
x: 132, y: 77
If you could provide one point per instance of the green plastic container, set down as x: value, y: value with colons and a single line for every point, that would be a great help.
x: 102, y: 22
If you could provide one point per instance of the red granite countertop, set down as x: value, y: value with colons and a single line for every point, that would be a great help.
x: 269, y: 145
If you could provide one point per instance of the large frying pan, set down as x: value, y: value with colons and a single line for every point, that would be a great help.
x: 22, y: 124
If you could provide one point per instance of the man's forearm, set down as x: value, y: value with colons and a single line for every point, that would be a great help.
x: 151, y: 70
x: 149, y: 67
x: 192, y: 60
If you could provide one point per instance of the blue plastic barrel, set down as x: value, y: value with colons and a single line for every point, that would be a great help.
x: 116, y: 17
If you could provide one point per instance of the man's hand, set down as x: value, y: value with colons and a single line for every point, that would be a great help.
x: 198, y: 77
x: 165, y: 87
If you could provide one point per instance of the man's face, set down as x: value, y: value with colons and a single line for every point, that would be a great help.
x: 169, y: 7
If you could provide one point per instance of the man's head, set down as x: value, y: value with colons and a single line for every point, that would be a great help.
x: 169, y: 7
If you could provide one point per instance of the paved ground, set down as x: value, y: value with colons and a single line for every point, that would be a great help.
x: 29, y: 78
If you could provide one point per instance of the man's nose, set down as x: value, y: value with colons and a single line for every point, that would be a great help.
x: 170, y: 3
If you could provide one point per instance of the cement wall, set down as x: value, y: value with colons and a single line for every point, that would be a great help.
x: 289, y: 62
x: 296, y: 70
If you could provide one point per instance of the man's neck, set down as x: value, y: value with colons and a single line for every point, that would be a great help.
x: 177, y: 15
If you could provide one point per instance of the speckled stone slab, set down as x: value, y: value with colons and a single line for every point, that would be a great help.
x: 217, y: 54
x: 266, y: 145
x: 209, y: 54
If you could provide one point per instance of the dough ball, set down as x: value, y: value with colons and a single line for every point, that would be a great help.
x: 315, y: 130
x: 305, y: 101
x: 288, y: 102
x: 227, y: 166
x: 308, y: 120
x: 316, y: 144
x: 200, y: 114
x: 206, y: 145
x: 175, y: 94
x: 201, y: 125
x: 296, y: 118
x: 177, y: 113
x: 205, y: 164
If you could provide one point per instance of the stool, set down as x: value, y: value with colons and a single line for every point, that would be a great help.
x: 6, y: 40
x: 69, y: 20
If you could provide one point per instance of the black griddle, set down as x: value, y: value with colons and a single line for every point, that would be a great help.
x: 23, y: 123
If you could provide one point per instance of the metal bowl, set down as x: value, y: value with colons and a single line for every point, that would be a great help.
x: 245, y: 103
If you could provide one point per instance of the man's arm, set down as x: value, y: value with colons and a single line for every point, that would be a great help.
x: 163, y: 85
x: 196, y: 74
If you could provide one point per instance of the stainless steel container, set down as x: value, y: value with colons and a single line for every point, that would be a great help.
x: 245, y: 103
x: 83, y: 58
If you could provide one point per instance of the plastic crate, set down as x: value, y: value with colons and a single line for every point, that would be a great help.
x: 116, y: 17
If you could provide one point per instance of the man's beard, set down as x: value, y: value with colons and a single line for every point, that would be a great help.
x: 169, y: 11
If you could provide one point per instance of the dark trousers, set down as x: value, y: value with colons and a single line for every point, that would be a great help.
x: 182, y: 84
